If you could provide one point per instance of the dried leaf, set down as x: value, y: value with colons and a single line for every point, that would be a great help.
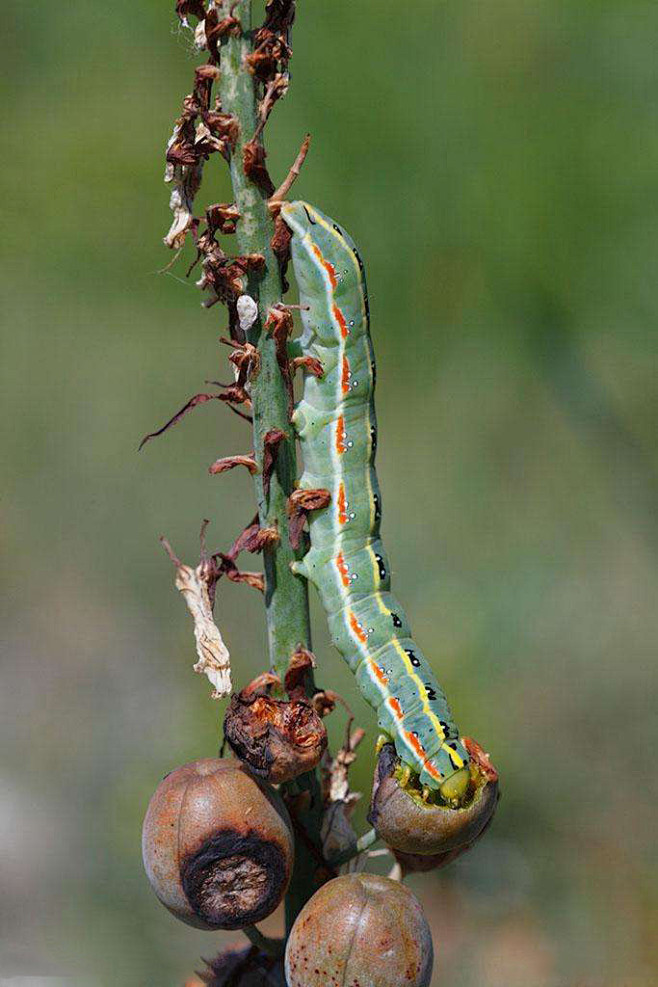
x: 213, y: 657
x: 280, y: 244
x: 223, y: 125
x: 254, y: 539
x: 483, y: 760
x: 253, y: 164
x: 337, y: 831
x: 271, y: 442
x: 192, y: 403
x: 310, y: 363
x: 194, y: 7
x: 300, y: 665
x: 300, y: 502
x: 230, y: 462
x: 254, y: 579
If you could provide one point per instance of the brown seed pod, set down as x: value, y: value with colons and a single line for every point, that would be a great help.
x: 217, y: 845
x: 278, y: 739
x: 406, y: 823
x: 360, y: 929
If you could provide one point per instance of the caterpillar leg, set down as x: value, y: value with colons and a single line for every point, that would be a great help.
x: 381, y: 740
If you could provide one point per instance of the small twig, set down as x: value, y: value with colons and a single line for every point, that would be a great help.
x: 274, y: 203
x: 363, y: 843
x: 273, y: 947
x: 167, y: 267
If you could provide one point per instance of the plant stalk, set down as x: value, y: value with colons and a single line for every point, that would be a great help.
x: 286, y: 595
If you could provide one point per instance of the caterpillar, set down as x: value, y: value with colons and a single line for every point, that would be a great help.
x: 337, y: 428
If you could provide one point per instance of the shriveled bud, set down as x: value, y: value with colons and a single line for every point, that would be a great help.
x: 360, y: 929
x: 408, y: 824
x: 242, y: 967
x: 278, y: 739
x: 217, y: 845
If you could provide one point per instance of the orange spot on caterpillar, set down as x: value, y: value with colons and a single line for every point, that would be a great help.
x: 379, y: 675
x: 329, y: 268
x: 358, y: 630
x: 345, y: 379
x: 342, y: 505
x: 394, y: 704
x: 343, y: 569
x: 431, y: 770
x: 416, y: 744
x: 340, y: 319
x: 340, y: 436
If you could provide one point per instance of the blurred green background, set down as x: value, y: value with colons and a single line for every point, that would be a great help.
x: 498, y: 165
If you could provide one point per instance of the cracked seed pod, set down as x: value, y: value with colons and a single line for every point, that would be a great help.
x: 278, y: 739
x: 360, y: 929
x: 407, y: 824
x: 217, y: 845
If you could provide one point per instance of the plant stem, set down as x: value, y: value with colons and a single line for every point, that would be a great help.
x: 286, y: 596
x: 273, y: 947
x: 363, y: 843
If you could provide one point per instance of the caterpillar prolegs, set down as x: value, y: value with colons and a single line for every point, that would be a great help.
x: 337, y: 428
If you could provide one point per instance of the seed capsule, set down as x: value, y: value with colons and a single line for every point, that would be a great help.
x: 360, y: 929
x: 217, y: 845
x: 279, y: 740
x: 408, y: 824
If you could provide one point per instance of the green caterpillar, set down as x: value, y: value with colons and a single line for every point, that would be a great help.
x: 336, y: 424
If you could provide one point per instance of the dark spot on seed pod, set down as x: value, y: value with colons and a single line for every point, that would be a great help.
x: 234, y: 879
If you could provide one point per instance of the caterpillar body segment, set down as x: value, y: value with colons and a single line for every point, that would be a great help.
x: 336, y: 424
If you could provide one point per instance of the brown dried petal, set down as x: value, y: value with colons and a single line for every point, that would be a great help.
x: 280, y: 242
x: 230, y: 462
x: 194, y: 7
x: 279, y: 15
x: 253, y: 163
x: 254, y: 579
x: 273, y: 439
x: 308, y: 500
x: 222, y: 217
x: 207, y: 72
x: 310, y: 363
x: 192, y: 403
x: 299, y: 503
x: 227, y: 26
x: 182, y: 153
x: 300, y: 666
x: 223, y: 125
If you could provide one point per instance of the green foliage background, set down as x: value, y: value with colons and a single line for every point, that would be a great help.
x: 497, y: 163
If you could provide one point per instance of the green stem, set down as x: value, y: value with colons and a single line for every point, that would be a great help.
x: 286, y: 596
x: 273, y: 947
x: 363, y: 843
